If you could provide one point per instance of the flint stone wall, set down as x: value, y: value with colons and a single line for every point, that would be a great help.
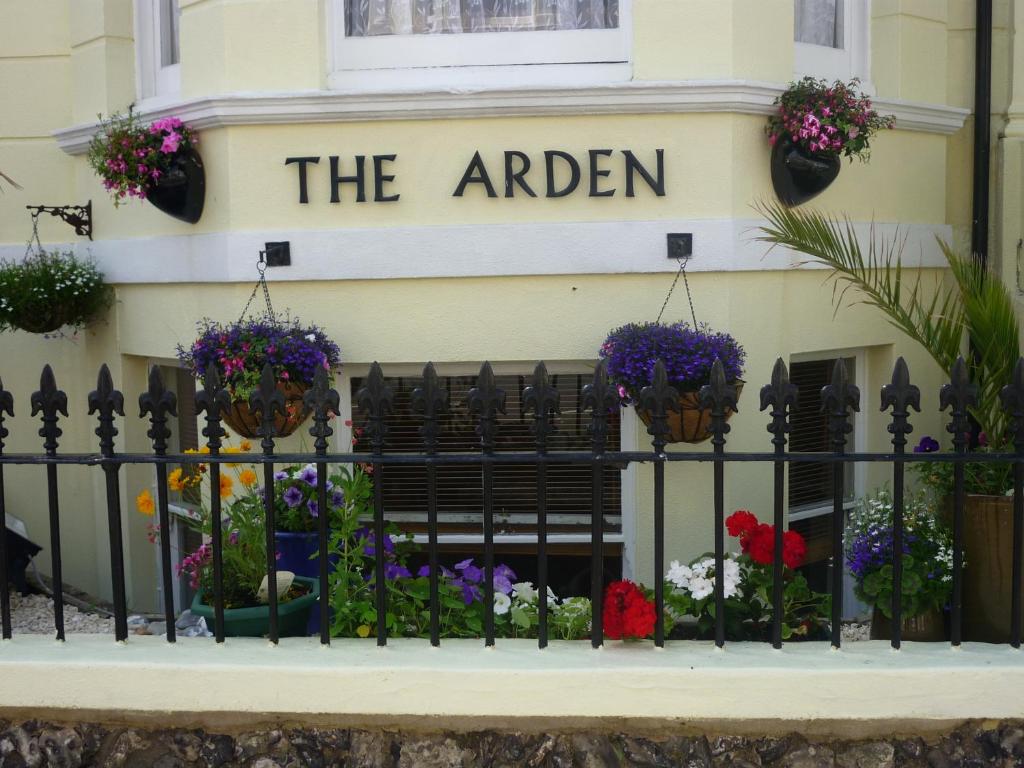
x: 41, y: 744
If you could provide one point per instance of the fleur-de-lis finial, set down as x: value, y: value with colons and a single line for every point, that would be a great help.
x: 719, y: 397
x: 836, y: 399
x: 49, y: 401
x: 959, y: 395
x: 543, y: 400
x: 106, y: 401
x: 601, y: 398
x: 658, y: 399
x: 430, y: 400
x: 324, y: 402
x: 267, y: 401
x: 487, y: 400
x: 782, y: 396
x: 1012, y: 397
x: 6, y: 406
x: 214, y: 400
x: 376, y: 399
x: 901, y: 396
x: 158, y: 402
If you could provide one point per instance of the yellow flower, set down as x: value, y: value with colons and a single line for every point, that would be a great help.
x: 144, y: 502
x: 246, y: 446
x: 363, y: 630
x: 247, y: 477
x: 226, y: 484
x: 174, y: 480
x: 205, y: 449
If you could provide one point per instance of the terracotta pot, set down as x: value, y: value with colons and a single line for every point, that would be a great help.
x: 929, y: 627
x: 182, y: 190
x: 245, y: 423
x: 988, y: 543
x: 692, y: 422
x: 797, y: 175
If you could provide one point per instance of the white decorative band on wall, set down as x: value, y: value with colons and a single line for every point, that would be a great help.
x: 482, y: 250
x: 635, y: 98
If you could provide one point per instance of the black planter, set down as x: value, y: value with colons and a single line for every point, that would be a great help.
x: 180, y: 192
x: 797, y: 175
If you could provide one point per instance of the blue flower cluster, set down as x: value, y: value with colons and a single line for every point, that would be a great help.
x: 688, y: 353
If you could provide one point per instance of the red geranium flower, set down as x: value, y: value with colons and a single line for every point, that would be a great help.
x: 758, y: 540
x: 740, y: 522
x: 627, y: 613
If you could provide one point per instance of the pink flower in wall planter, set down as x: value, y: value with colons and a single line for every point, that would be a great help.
x: 157, y: 162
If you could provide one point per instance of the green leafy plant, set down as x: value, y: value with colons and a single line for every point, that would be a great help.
x: 50, y: 289
x: 939, y: 318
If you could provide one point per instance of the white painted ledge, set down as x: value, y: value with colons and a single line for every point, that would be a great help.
x: 634, y: 98
x: 482, y: 250
x: 687, y: 681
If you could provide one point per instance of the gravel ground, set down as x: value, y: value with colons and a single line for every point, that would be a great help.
x: 33, y: 614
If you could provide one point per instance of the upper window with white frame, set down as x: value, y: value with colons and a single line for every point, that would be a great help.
x: 157, y: 51
x: 831, y: 38
x: 409, y: 34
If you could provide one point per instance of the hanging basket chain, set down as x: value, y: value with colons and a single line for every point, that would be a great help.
x: 34, y: 238
x: 261, y: 267
x: 689, y: 295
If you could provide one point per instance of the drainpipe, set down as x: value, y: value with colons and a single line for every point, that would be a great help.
x: 982, y: 129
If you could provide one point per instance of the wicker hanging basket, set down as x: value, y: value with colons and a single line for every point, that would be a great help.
x: 692, y: 422
x: 245, y: 423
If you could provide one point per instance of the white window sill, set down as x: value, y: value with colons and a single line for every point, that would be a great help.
x: 419, y: 79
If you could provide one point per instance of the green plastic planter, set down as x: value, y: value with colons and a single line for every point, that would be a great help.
x: 292, y: 616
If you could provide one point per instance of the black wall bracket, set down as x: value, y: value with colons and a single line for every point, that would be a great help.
x: 278, y: 254
x: 78, y: 216
x: 680, y: 245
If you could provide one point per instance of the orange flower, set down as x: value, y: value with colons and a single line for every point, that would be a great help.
x: 226, y: 484
x: 247, y: 477
x: 175, y: 481
x: 246, y: 446
x: 144, y: 502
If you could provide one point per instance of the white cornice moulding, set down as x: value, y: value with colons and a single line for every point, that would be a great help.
x: 633, y: 98
x: 479, y: 250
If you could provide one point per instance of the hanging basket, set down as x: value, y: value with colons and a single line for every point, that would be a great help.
x: 245, y: 423
x: 798, y: 175
x: 182, y: 190
x: 692, y: 422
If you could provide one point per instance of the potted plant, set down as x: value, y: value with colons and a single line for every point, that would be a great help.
x: 927, y: 580
x: 239, y: 350
x: 748, y: 581
x: 244, y: 558
x: 816, y: 123
x: 51, y: 289
x: 632, y: 350
x: 157, y: 162
x: 976, y: 305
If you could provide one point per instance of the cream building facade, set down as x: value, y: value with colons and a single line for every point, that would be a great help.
x: 681, y: 88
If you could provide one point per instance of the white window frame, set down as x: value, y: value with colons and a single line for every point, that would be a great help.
x: 852, y: 60
x: 488, y: 58
x: 154, y: 81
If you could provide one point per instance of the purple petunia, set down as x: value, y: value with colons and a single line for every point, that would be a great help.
x: 280, y: 475
x: 470, y: 572
x: 393, y: 571
x: 308, y: 475
x: 292, y: 497
x: 338, y: 499
x: 313, y: 507
x: 927, y: 445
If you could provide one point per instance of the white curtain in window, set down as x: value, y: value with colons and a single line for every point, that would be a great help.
x: 819, y: 22
x: 428, y: 17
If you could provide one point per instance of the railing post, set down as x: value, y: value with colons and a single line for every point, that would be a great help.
x: 106, y: 401
x: 214, y: 400
x: 901, y: 396
x: 836, y: 400
x: 1012, y: 396
x: 160, y: 402
x: 487, y: 400
x: 720, y: 397
x: 376, y: 400
x: 659, y: 398
x: 6, y: 406
x: 543, y: 400
x: 782, y: 396
x: 958, y: 396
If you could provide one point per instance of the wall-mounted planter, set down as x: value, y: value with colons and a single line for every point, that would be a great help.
x: 182, y: 190
x: 692, y: 422
x: 245, y: 423
x: 798, y: 175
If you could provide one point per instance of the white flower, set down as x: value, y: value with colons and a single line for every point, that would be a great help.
x: 525, y: 592
x: 502, y: 603
x: 679, y: 574
x: 310, y: 337
x: 701, y: 587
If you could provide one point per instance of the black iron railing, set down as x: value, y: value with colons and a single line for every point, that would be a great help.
x: 485, y: 402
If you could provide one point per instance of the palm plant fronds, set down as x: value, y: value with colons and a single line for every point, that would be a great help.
x: 977, y: 304
x: 9, y: 180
